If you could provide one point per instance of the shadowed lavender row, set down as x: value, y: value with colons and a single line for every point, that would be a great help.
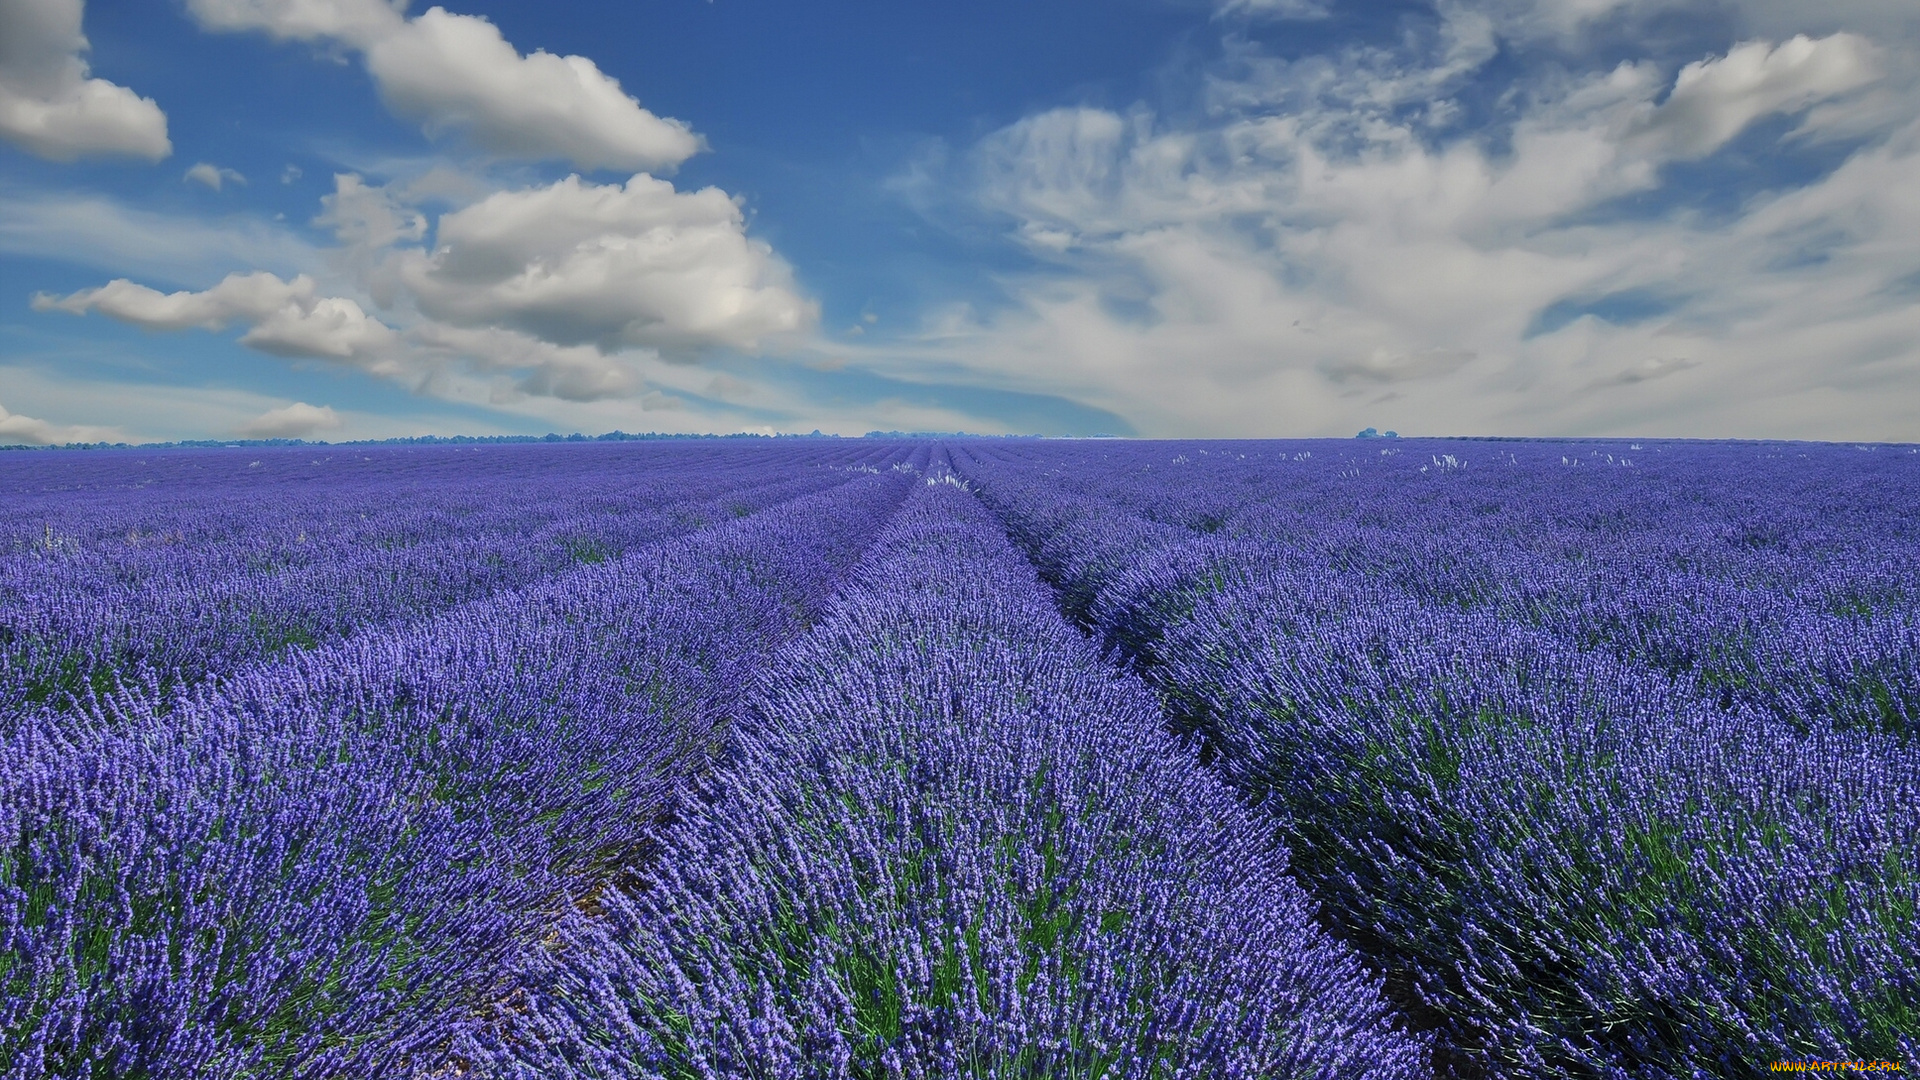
x: 951, y: 842
x: 319, y: 867
x: 1578, y: 856
x: 236, y: 559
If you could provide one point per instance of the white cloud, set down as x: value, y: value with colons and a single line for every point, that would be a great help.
x: 457, y: 74
x: 558, y: 293
x: 1313, y: 256
x: 49, y: 104
x: 639, y: 265
x: 1715, y: 99
x: 213, y: 175
x: 295, y: 421
x: 1278, y: 9
x: 353, y: 22
x: 693, y: 281
x: 238, y: 296
x: 328, y: 327
x: 1060, y: 166
x: 518, y: 286
x: 286, y: 318
x: 17, y: 430
x: 364, y: 216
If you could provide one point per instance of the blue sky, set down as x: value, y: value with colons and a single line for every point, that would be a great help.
x: 341, y: 218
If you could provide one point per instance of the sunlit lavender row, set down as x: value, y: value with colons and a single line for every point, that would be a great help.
x: 994, y: 758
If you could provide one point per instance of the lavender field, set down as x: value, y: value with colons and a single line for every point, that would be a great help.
x: 981, y: 758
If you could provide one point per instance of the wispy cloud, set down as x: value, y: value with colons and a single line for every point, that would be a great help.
x: 170, y: 249
x: 86, y: 410
x: 1327, y: 246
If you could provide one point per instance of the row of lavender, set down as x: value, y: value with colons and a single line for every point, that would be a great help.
x: 329, y: 863
x: 1606, y: 756
x: 179, y: 564
x: 950, y: 841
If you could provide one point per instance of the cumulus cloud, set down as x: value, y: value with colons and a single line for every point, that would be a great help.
x: 560, y: 292
x: 238, y: 296
x: 213, y: 175
x: 295, y: 421
x: 615, y: 266
x: 30, y: 431
x: 50, y: 105
x: 285, y: 318
x: 458, y: 74
x: 328, y: 327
